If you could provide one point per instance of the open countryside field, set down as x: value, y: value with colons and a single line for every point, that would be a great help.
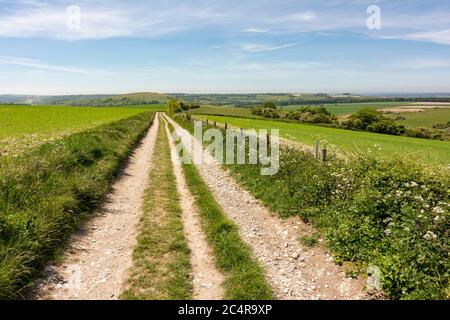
x: 426, y: 119
x: 255, y: 156
x: 430, y: 151
x: 26, y: 126
x: 19, y: 120
x: 348, y: 108
x: 176, y: 198
x: 224, y: 110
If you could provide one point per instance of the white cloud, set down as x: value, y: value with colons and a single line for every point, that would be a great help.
x: 258, y: 47
x: 257, y: 30
x: 307, y: 16
x: 37, y: 64
x: 103, y: 19
x: 102, y: 22
x: 442, y: 37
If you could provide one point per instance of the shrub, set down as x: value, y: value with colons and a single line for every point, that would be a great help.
x: 390, y: 213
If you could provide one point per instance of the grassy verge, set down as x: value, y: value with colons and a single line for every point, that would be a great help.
x: 46, y: 191
x: 391, y: 213
x: 161, y: 258
x: 244, y: 278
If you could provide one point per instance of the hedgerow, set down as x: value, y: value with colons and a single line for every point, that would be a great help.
x: 391, y: 213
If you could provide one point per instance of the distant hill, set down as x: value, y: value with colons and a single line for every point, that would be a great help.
x: 139, y: 98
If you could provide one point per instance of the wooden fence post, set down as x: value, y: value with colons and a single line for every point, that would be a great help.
x: 268, y: 138
x: 215, y: 124
x: 226, y: 126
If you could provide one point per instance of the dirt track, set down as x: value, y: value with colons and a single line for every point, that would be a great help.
x: 293, y: 271
x: 207, y: 280
x: 95, y: 264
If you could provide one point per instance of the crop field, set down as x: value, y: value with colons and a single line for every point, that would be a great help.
x: 430, y: 151
x: 348, y: 108
x: 222, y: 110
x: 426, y: 119
x: 47, y: 190
x: 25, y: 126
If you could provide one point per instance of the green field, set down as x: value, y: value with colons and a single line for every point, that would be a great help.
x: 430, y: 151
x: 425, y: 119
x: 224, y: 111
x: 348, y: 108
x: 45, y: 193
x: 23, y: 127
x: 20, y: 120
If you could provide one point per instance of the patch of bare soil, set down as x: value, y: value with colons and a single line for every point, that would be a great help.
x: 433, y: 103
x: 293, y: 271
x: 99, y: 254
x: 414, y: 108
x: 207, y: 280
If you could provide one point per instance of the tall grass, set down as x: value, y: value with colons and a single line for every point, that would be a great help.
x: 45, y: 192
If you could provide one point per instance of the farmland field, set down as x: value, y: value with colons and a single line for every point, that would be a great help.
x: 222, y: 110
x: 26, y: 126
x: 425, y: 119
x: 18, y: 120
x: 348, y: 108
x: 431, y: 151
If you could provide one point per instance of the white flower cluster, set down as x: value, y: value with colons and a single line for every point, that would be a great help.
x: 430, y: 236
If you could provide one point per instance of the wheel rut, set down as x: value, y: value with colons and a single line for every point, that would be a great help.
x: 207, y: 280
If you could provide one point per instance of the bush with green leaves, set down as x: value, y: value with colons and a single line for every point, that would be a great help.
x: 303, y: 114
x: 390, y: 213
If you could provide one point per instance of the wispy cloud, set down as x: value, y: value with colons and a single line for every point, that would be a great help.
x: 257, y: 30
x: 307, y: 16
x: 37, y: 64
x: 102, y: 22
x: 258, y: 47
x: 104, y: 19
x: 442, y: 37
x: 419, y: 64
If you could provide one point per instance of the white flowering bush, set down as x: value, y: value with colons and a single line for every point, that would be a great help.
x: 390, y: 213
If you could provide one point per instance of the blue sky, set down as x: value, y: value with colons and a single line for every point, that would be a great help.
x: 224, y: 46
